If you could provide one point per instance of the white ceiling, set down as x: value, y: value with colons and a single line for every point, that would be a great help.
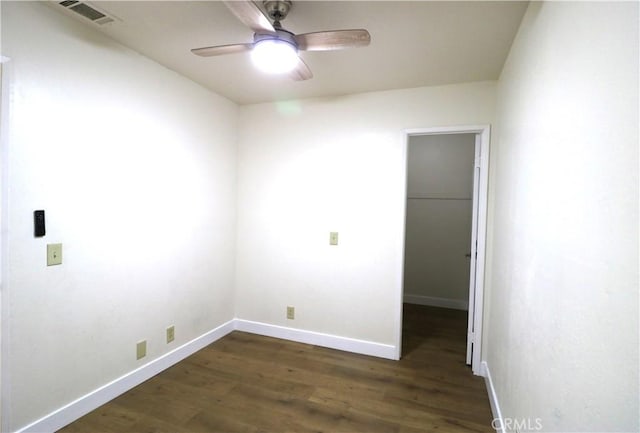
x: 413, y: 44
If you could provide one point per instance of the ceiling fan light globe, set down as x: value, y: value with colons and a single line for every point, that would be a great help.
x: 274, y: 56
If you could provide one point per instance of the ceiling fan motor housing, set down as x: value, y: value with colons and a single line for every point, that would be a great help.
x: 280, y: 35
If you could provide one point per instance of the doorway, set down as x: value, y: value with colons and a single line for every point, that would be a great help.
x: 445, y: 225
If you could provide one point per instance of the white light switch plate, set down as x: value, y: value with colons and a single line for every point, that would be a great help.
x: 54, y: 254
x: 333, y: 238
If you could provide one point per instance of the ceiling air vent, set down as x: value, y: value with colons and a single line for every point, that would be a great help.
x: 87, y: 11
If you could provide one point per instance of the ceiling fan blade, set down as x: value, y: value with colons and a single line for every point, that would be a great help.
x: 333, y: 40
x: 301, y: 72
x: 250, y: 15
x: 221, y: 49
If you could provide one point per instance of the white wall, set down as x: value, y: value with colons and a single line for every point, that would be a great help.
x: 438, y: 227
x: 562, y: 325
x: 441, y: 166
x: 3, y: 174
x: 135, y: 167
x: 314, y: 166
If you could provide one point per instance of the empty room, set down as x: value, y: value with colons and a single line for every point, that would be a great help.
x: 337, y: 216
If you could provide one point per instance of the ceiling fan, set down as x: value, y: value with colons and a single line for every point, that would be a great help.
x: 275, y: 49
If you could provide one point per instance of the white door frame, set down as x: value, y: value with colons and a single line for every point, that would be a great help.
x: 5, y: 77
x: 482, y: 133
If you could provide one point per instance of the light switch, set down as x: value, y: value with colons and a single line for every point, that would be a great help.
x: 54, y: 254
x: 333, y: 238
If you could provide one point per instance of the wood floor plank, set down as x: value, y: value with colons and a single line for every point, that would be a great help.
x: 251, y: 384
x: 217, y: 421
x: 386, y: 410
x: 110, y: 418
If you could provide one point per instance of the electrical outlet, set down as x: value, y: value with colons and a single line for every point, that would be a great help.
x: 54, y: 254
x: 141, y: 349
x: 291, y: 313
x: 171, y: 333
x: 333, y: 238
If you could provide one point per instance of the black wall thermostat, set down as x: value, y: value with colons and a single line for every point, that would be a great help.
x: 38, y: 223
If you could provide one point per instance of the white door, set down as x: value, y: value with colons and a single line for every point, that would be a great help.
x: 473, y: 251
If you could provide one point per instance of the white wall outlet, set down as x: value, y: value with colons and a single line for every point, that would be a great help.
x: 333, y: 238
x: 171, y: 333
x: 54, y: 254
x: 141, y: 349
x: 291, y: 313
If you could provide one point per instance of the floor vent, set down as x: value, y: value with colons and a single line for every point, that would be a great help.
x: 87, y: 11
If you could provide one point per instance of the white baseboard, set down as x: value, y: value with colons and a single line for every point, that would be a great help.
x: 318, y: 339
x: 493, y: 399
x: 102, y: 395
x: 456, y: 304
x: 91, y: 401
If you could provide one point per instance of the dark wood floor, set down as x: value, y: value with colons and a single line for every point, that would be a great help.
x: 248, y: 383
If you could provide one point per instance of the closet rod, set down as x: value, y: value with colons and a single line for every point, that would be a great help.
x: 436, y: 198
